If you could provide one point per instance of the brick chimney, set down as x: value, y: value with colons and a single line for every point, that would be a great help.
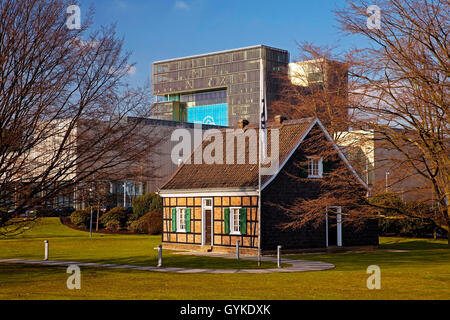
x: 242, y: 123
x: 279, y: 119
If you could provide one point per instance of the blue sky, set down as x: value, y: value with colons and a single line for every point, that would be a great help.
x: 162, y: 29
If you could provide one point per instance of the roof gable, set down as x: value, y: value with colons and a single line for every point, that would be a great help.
x: 199, y: 176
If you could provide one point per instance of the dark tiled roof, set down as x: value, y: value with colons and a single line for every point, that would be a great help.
x: 170, y: 123
x: 217, y: 176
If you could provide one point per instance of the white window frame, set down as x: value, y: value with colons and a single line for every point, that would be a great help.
x: 319, y: 167
x: 232, y: 221
x: 179, y: 229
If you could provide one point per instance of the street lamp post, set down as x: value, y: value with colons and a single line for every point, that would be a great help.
x: 125, y: 194
x: 387, y: 185
x: 90, y: 225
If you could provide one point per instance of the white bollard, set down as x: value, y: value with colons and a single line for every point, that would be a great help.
x: 159, y: 248
x: 279, y: 256
x: 46, y: 250
x: 238, y: 242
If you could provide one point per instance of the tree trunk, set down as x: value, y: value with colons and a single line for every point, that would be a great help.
x: 448, y: 234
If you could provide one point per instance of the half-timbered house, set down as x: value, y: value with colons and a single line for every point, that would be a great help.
x: 211, y: 206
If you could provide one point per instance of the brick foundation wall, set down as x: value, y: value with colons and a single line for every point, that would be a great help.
x: 215, y: 249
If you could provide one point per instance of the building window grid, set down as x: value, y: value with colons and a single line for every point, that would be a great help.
x: 204, y: 72
x: 248, y: 62
x: 240, y: 100
x: 216, y: 60
x: 205, y: 98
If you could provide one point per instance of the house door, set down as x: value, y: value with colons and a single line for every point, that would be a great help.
x: 334, y: 227
x: 207, y: 227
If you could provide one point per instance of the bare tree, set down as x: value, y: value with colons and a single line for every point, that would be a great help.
x: 403, y: 79
x: 65, y: 107
x: 316, y: 86
x: 337, y: 187
x: 96, y: 193
x: 396, y: 93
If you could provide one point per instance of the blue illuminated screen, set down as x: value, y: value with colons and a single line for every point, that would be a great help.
x: 216, y: 114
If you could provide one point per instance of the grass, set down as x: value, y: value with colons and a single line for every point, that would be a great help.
x: 423, y: 272
x: 73, y: 245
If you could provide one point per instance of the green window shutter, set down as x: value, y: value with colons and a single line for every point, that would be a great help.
x: 326, y: 165
x: 174, y: 220
x: 303, y: 170
x: 243, y: 220
x: 226, y: 214
x: 188, y: 220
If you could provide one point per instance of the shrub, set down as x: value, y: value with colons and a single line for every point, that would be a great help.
x: 150, y: 202
x: 407, y: 227
x: 157, y: 203
x: 151, y: 223
x: 81, y: 218
x: 115, y: 218
x: 141, y: 205
x: 411, y: 219
x: 390, y: 204
x: 133, y: 226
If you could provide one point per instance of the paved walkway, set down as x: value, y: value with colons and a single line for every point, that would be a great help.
x: 296, y: 265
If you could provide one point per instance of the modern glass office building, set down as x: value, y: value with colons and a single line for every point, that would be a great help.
x: 218, y: 88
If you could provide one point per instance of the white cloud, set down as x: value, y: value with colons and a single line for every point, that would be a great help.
x: 181, y: 5
x: 130, y: 70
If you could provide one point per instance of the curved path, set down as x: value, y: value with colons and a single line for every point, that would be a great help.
x: 296, y: 265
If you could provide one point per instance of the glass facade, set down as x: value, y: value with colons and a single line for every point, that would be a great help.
x: 212, y: 80
x: 132, y: 190
x: 204, y: 98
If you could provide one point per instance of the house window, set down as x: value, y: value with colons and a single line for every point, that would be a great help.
x: 181, y: 220
x: 315, y: 167
x: 235, y: 221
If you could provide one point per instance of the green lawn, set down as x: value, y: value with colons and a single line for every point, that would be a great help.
x: 421, y: 273
x: 73, y: 245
